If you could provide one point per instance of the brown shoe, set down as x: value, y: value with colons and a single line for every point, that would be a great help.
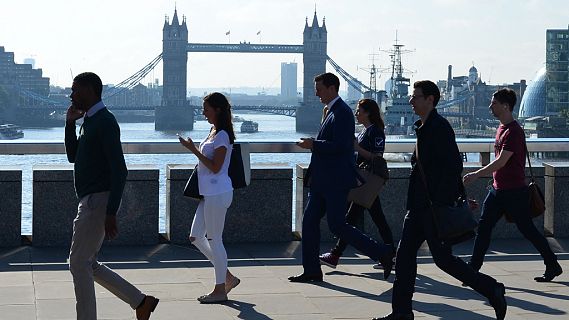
x: 147, y: 306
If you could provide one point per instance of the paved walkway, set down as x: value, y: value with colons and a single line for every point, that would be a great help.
x: 35, y: 284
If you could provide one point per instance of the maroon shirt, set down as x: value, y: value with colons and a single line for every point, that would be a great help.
x: 510, y: 137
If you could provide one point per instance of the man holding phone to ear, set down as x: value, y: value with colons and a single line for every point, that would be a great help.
x: 332, y: 173
x: 100, y: 175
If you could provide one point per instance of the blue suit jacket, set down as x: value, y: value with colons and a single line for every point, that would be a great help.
x: 332, y: 164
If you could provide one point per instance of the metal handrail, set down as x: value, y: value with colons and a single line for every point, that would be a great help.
x: 172, y: 146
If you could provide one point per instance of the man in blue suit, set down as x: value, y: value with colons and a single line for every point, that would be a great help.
x: 331, y: 174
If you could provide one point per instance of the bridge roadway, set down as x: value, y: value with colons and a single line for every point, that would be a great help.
x: 245, y: 47
x: 280, y: 110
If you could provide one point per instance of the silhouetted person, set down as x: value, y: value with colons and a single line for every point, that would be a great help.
x: 442, y: 166
x: 100, y: 175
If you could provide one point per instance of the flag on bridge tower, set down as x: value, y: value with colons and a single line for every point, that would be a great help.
x: 228, y: 32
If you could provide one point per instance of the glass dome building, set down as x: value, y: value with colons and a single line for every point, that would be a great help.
x: 533, y: 101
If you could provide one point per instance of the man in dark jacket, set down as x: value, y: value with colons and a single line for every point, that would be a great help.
x: 441, y: 164
x: 100, y: 175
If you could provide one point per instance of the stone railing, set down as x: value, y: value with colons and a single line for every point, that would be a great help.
x: 261, y: 212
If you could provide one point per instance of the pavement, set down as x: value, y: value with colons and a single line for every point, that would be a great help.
x: 35, y: 283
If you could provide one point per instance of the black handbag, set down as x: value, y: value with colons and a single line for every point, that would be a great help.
x: 239, y: 166
x: 453, y: 223
x: 192, y: 189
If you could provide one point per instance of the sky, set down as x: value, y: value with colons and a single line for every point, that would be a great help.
x: 505, y: 40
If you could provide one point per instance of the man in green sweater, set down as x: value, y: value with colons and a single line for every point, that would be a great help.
x: 100, y: 175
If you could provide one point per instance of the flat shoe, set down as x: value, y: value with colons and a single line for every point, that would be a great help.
x: 212, y: 299
x: 230, y: 285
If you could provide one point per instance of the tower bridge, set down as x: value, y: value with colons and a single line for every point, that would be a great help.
x: 175, y: 111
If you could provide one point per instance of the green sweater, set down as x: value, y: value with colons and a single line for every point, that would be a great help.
x: 98, y: 157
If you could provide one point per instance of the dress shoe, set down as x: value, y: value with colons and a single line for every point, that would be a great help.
x: 306, y: 278
x: 550, y: 273
x: 498, y: 301
x: 209, y: 299
x: 397, y: 316
x: 329, y: 259
x: 147, y: 306
x: 379, y: 266
x: 386, y: 261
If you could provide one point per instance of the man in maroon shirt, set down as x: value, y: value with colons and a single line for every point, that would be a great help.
x: 509, y: 192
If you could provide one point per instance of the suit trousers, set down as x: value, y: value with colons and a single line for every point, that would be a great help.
x: 88, y: 236
x: 355, y: 215
x: 516, y: 203
x: 333, y: 204
x: 418, y: 227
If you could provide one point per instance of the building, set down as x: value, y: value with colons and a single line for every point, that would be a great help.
x: 470, y: 95
x: 288, y: 79
x: 557, y: 71
x: 354, y: 94
x: 22, y: 81
x: 533, y: 101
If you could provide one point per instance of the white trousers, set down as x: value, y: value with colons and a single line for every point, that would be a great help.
x: 88, y: 236
x: 207, y: 229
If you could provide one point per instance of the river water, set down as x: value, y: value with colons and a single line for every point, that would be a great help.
x: 271, y: 128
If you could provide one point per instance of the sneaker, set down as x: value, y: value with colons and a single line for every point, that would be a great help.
x: 329, y: 259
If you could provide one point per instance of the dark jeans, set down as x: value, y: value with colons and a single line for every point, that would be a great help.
x: 418, y: 227
x: 516, y: 203
x: 333, y: 205
x: 355, y: 213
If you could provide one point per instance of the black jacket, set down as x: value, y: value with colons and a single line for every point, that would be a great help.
x: 441, y: 162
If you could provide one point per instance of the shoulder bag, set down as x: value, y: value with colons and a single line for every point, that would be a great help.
x: 453, y: 223
x: 536, y: 199
x: 192, y: 190
x: 240, y: 166
x: 373, y: 174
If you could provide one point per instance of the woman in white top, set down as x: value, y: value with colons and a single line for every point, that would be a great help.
x: 215, y: 186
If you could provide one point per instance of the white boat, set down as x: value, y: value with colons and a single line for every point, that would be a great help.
x: 10, y: 132
x: 249, y: 126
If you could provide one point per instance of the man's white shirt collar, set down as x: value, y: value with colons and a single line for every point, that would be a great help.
x: 98, y: 106
x: 329, y: 105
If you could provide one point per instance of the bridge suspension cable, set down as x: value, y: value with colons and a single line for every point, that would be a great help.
x: 357, y: 84
x: 134, y: 79
x: 37, y: 97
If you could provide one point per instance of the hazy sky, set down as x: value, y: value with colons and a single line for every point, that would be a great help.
x: 504, y: 39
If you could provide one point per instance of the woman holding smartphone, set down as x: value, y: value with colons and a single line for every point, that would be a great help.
x: 214, y: 184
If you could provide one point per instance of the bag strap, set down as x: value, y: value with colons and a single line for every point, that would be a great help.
x: 462, y: 189
x: 529, y: 161
x: 422, y: 174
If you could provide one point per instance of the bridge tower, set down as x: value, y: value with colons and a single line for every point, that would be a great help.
x: 315, y: 40
x: 175, y: 112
